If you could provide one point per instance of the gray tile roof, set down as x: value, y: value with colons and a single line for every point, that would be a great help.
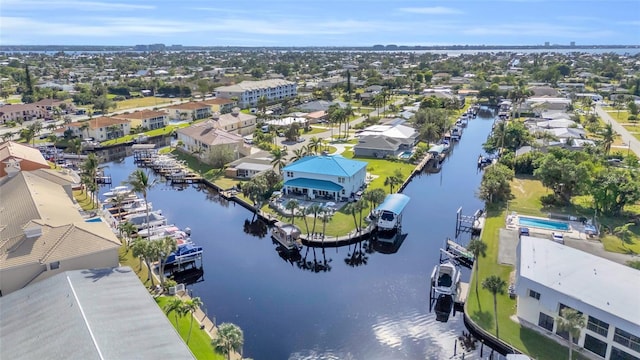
x: 87, y: 314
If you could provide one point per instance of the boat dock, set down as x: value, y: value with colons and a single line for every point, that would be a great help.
x: 174, y: 170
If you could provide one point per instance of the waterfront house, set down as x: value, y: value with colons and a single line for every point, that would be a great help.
x: 551, y: 277
x: 87, y: 314
x: 220, y: 105
x: 100, y: 128
x: 330, y: 177
x: 320, y: 105
x: 21, y: 112
x: 189, y: 111
x: 147, y: 119
x: 203, y: 137
x: 250, y: 166
x: 378, y: 146
x: 235, y: 122
x: 43, y: 234
x: 248, y: 93
x: 18, y: 157
x: 405, y: 135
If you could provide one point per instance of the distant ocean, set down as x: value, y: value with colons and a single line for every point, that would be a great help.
x: 619, y: 51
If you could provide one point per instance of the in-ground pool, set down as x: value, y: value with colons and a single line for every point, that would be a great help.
x: 405, y: 155
x: 95, y: 219
x: 543, y: 223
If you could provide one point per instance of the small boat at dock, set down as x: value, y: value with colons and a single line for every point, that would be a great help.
x: 445, y: 278
x: 185, y: 253
x: 389, y: 213
x: 115, y: 191
x: 287, y: 235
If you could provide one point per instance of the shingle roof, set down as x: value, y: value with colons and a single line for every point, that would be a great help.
x: 327, y: 165
x: 377, y: 142
x: 29, y: 200
x: 87, y: 314
x: 11, y: 149
x: 228, y: 119
x: 206, y: 133
x: 189, y: 106
x: 99, y: 122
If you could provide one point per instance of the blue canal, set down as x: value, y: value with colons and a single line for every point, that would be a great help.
x: 350, y: 302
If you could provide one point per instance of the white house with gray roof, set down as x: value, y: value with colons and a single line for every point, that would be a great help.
x: 552, y: 276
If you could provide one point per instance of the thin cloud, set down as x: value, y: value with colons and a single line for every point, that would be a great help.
x: 72, y: 4
x: 433, y: 10
x: 540, y: 30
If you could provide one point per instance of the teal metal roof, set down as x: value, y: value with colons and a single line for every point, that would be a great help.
x: 313, y: 184
x: 327, y: 165
x: 394, y: 203
x: 438, y: 149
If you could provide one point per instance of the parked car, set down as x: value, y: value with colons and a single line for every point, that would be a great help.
x: 524, y: 231
x: 557, y: 237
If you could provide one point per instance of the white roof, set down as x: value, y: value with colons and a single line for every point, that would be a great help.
x: 396, y: 132
x: 596, y: 281
x: 286, y: 121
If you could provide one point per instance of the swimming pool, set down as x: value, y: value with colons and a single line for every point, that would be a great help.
x: 405, y: 155
x: 95, y: 219
x: 543, y: 223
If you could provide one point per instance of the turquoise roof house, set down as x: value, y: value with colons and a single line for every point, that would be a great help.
x: 329, y: 177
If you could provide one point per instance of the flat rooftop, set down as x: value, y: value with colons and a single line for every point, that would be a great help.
x: 596, y: 281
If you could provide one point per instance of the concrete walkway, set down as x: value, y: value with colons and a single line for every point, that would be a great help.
x: 632, y: 143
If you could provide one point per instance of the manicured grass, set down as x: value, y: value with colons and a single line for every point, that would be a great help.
x: 199, y: 342
x: 84, y: 200
x: 126, y: 259
x: 527, y: 192
x: 479, y: 306
x: 315, y: 130
x: 206, y: 171
x: 167, y: 130
x: 141, y: 102
x: 619, y: 116
x: 382, y: 168
x: 13, y: 101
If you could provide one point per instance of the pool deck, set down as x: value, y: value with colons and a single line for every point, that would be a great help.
x: 576, y: 228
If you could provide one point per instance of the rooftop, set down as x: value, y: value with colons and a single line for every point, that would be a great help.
x: 99, y: 122
x: 206, y: 133
x: 254, y: 85
x: 193, y: 105
x: 394, y: 203
x: 87, y: 314
x: 12, y: 149
x: 144, y: 114
x: 593, y: 280
x: 327, y: 165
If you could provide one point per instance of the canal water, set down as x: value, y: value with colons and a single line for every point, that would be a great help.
x: 351, y: 302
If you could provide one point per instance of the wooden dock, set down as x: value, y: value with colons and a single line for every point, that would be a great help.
x: 461, y: 293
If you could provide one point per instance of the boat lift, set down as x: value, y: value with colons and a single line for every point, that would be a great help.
x: 469, y: 223
x: 444, y: 305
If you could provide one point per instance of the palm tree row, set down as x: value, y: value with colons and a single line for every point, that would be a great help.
x: 151, y: 251
x: 180, y: 308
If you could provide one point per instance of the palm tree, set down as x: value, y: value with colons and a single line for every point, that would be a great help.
x: 478, y: 248
x: 608, y: 136
x: 230, y: 338
x: 315, y: 144
x: 495, y: 285
x: 314, y: 209
x: 571, y: 321
x: 117, y: 201
x: 375, y: 197
x: 127, y: 229
x: 278, y: 161
x: 144, y: 250
x: 292, y: 205
x: 90, y: 170
x: 113, y: 131
x: 393, y: 180
x: 175, y: 306
x: 351, y: 208
x: 325, y: 217
x: 165, y: 247
x: 141, y: 183
x: 299, y: 153
x: 624, y: 233
x: 190, y: 306
x: 6, y: 136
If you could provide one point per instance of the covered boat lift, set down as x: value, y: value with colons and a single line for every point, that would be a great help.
x: 389, y: 213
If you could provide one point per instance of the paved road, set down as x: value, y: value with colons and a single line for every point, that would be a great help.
x: 629, y: 139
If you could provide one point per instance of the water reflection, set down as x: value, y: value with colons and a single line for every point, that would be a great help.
x: 189, y: 276
x: 315, y: 265
x: 255, y: 227
x: 360, y: 254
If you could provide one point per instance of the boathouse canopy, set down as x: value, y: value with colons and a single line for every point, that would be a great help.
x: 437, y: 149
x: 394, y: 203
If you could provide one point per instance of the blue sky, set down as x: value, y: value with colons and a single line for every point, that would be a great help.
x: 318, y: 22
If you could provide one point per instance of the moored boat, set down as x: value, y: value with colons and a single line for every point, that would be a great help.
x: 445, y: 278
x: 286, y: 235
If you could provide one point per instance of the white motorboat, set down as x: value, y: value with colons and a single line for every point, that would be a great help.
x: 140, y: 220
x: 115, y: 191
x: 445, y: 278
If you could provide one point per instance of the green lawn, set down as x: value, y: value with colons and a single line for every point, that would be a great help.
x: 620, y: 116
x: 84, y: 200
x: 479, y: 306
x: 167, y: 130
x: 200, y: 342
x: 126, y: 259
x: 141, y: 102
x: 315, y: 130
x: 382, y: 168
x: 527, y: 192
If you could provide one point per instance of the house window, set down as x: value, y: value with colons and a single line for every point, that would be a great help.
x: 594, y: 345
x: 624, y: 338
x: 598, y: 326
x: 341, y: 180
x: 617, y: 354
x: 54, y: 265
x: 290, y: 174
x: 545, y: 321
x: 534, y: 294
